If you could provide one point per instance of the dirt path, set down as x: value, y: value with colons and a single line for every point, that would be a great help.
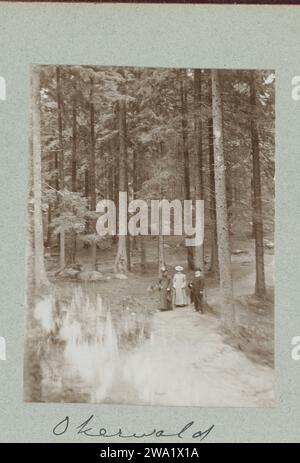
x: 186, y: 362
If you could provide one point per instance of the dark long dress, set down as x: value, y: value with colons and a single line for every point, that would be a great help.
x: 197, y: 288
x: 165, y: 293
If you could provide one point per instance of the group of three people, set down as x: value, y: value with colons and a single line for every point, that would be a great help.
x: 174, y: 290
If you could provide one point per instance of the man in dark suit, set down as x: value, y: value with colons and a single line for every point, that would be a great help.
x: 197, y: 289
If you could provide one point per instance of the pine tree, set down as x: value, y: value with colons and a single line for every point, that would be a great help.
x: 36, y: 246
x: 260, y: 285
x: 199, y: 251
x: 186, y: 158
x: 121, y: 262
x: 221, y: 208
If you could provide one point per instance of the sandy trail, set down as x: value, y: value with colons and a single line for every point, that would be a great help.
x: 186, y: 362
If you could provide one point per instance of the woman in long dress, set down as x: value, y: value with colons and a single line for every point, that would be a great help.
x: 165, y: 291
x: 179, y: 285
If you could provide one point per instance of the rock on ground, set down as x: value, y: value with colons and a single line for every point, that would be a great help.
x: 92, y: 275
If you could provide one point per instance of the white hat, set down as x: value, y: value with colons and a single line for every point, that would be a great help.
x: 198, y: 273
x: 163, y: 269
x: 178, y: 268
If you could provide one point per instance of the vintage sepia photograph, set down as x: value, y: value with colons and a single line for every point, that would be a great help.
x: 150, y: 236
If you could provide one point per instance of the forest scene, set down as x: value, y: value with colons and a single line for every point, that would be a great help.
x: 146, y: 319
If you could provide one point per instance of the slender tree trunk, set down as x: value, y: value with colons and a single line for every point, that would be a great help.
x: 116, y: 194
x: 94, y: 255
x: 229, y: 196
x: 49, y: 218
x: 161, y: 238
x: 30, y: 356
x: 253, y: 209
x: 199, y: 250
x: 56, y: 166
x: 62, y: 249
x: 111, y: 173
x: 143, y: 254
x: 134, y: 188
x: 128, y: 240
x: 41, y: 280
x: 30, y: 248
x: 138, y: 178
x: 260, y: 285
x: 161, y: 253
x: 60, y: 161
x: 74, y: 166
x: 161, y: 247
x: 86, y: 183
x: 60, y: 130
x: 221, y: 206
x: 214, y: 262
x: 74, y: 141
x: 186, y: 160
x: 121, y: 262
x: 111, y: 182
x: 36, y: 278
x: 92, y: 174
x: 72, y: 257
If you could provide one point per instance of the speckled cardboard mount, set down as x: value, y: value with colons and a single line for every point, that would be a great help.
x: 206, y: 36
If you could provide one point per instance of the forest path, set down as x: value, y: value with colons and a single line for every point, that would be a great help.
x: 187, y: 362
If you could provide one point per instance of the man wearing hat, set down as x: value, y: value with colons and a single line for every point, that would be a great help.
x: 179, y: 285
x: 197, y: 289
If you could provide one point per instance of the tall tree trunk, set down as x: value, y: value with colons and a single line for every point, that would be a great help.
x: 86, y: 183
x: 260, y: 285
x: 111, y: 181
x: 221, y: 206
x: 143, y: 254
x: 49, y: 218
x: 60, y: 130
x: 56, y: 167
x: 134, y: 188
x: 74, y: 139
x: 161, y: 253
x: 62, y: 249
x: 128, y: 240
x: 186, y: 160
x: 116, y: 194
x: 30, y: 237
x: 199, y: 250
x: 36, y: 278
x: 229, y: 196
x: 111, y: 172
x: 214, y: 262
x: 41, y: 280
x: 72, y: 257
x: 61, y: 176
x: 253, y: 209
x: 74, y: 166
x: 92, y: 172
x: 138, y: 178
x: 121, y: 262
x: 161, y: 238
